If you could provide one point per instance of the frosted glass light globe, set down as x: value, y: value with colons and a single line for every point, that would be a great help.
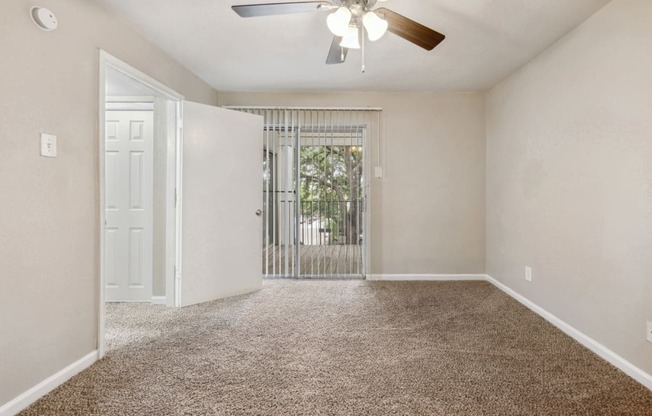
x: 376, y: 27
x: 352, y: 38
x: 338, y: 22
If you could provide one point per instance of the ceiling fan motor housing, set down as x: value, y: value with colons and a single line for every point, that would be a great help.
x: 357, y: 7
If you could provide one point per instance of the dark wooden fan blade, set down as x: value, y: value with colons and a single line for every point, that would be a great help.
x: 410, y: 30
x: 270, y: 9
x: 337, y: 54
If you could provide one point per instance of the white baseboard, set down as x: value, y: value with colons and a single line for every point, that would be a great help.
x: 159, y: 300
x: 44, y: 387
x: 426, y: 277
x: 604, y: 352
x: 41, y: 389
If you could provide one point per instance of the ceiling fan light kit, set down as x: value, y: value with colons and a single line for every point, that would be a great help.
x: 375, y: 26
x: 338, y: 21
x: 349, y: 19
x: 351, y: 39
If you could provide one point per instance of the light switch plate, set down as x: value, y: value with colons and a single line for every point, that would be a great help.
x: 378, y: 172
x: 528, y: 273
x: 649, y: 331
x: 48, y: 145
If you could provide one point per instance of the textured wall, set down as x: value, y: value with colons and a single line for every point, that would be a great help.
x: 569, y: 179
x: 49, y: 233
x: 428, y: 209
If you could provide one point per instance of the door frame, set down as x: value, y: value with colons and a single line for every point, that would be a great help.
x: 173, y: 103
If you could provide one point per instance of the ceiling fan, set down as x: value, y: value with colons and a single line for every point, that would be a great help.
x: 349, y: 21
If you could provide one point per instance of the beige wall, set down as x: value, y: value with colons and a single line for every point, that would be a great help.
x: 569, y: 179
x: 48, y: 227
x: 567, y: 185
x: 428, y: 211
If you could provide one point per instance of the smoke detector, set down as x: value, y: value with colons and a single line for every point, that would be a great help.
x: 43, y: 18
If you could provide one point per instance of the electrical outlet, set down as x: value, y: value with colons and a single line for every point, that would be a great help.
x: 528, y: 273
x: 649, y: 331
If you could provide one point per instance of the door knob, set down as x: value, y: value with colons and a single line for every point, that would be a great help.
x: 259, y: 212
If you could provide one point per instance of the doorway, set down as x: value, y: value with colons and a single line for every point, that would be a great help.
x: 331, y: 205
x: 315, y: 187
x: 209, y: 196
x: 139, y: 137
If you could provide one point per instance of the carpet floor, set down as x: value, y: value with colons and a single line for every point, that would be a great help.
x: 345, y: 348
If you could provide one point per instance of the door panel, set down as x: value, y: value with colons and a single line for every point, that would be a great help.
x: 129, y: 205
x: 110, y: 250
x: 221, y: 233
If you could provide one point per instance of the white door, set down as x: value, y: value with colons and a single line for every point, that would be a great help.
x: 221, y: 195
x: 128, y: 210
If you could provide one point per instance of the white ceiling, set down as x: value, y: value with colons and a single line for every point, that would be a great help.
x: 486, y: 40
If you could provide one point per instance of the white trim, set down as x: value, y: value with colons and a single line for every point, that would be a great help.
x: 22, y: 401
x: 605, y: 353
x: 159, y: 300
x: 427, y: 277
x: 259, y: 107
x: 44, y: 387
x: 141, y: 77
x: 106, y: 60
x: 367, y: 144
x: 178, y: 207
x: 171, y: 247
x: 101, y: 127
x: 130, y: 99
x: 130, y: 103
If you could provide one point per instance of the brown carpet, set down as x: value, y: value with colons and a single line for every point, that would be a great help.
x: 345, y: 348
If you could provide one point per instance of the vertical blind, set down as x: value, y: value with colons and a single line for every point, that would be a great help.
x: 315, y: 184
